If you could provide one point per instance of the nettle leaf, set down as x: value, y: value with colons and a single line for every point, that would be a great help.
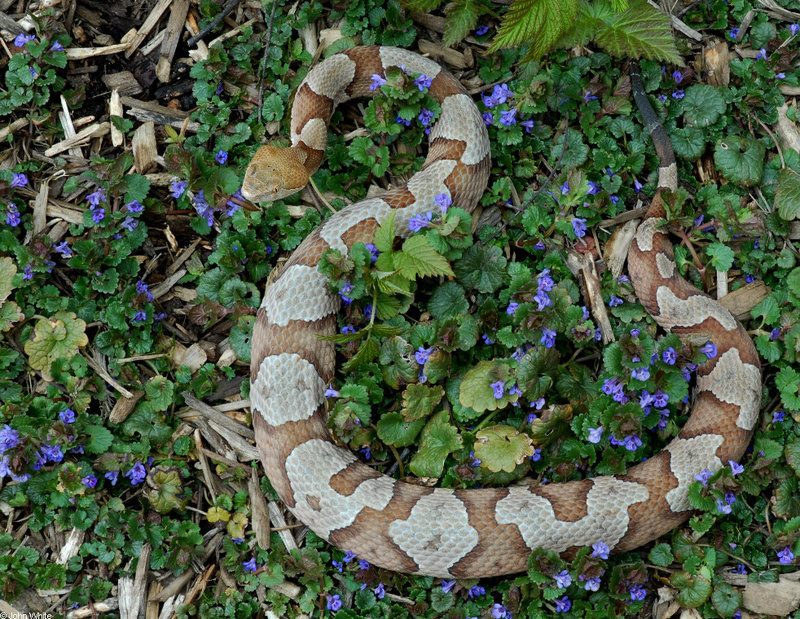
x: 502, y: 448
x: 481, y: 268
x: 57, y: 337
x: 7, y: 272
x: 384, y: 235
x: 100, y: 439
x: 460, y: 19
x: 476, y: 391
x: 702, y: 105
x: 576, y: 153
x: 721, y: 256
x: 642, y: 31
x: 419, y: 258
x: 787, y: 196
x: 420, y: 400
x: 788, y: 382
x: 439, y: 439
x: 537, y: 22
x: 741, y: 160
x: 394, y: 430
x: 688, y: 142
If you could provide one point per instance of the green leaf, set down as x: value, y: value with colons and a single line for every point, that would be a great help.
x: 793, y: 281
x: 100, y: 439
x: 721, y: 256
x: 160, y: 391
x: 384, y: 235
x: 502, y: 448
x: 788, y: 382
x: 792, y: 452
x: 741, y: 160
x: 394, y: 430
x: 420, y: 400
x: 460, y: 19
x: 10, y: 313
x: 576, y: 150
x: 439, y: 439
x: 702, y: 105
x: 642, y: 31
x: 772, y: 449
x: 726, y: 599
x: 397, y: 362
x: 538, y: 23
x: 481, y: 268
x: 448, y: 301
x: 688, y: 142
x: 661, y: 554
x: 476, y: 391
x: 693, y: 589
x: 165, y: 493
x: 419, y: 258
x: 57, y: 337
x: 787, y: 195
x: 7, y: 272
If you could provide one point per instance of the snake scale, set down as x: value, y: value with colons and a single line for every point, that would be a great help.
x: 478, y: 532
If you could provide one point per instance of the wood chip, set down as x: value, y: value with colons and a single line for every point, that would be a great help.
x: 65, y: 118
x: 145, y: 148
x: 123, y: 407
x: 147, y: 26
x: 12, y: 128
x: 787, y: 130
x: 115, y: 109
x: 94, y: 130
x: 40, y: 207
x: 279, y: 522
x: 145, y: 110
x: 742, y: 300
x: 177, y: 17
x: 718, y: 64
x: 615, y: 250
x: 258, y: 509
x: 449, y: 55
x: 583, y: 265
x: 122, y: 81
x: 163, y: 288
x: 71, y: 546
x: 214, y: 415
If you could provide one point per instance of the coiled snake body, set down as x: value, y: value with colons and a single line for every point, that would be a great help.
x: 480, y: 532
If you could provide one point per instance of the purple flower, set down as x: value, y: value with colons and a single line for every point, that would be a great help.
x: 90, y: 481
x: 481, y: 30
x: 709, y: 349
x: 363, y: 565
x: 548, y: 337
x: 443, y: 201
x: 563, y: 579
x: 136, y: 474
x: 177, y: 188
x: 593, y: 188
x: 733, y: 33
x: 499, y: 611
x: 637, y: 593
x: 579, y: 227
x: 614, y: 300
x: 660, y: 399
x: 129, y: 223
x: 348, y: 329
x: 377, y: 81
x: 475, y: 461
x: 57, y: 47
x: 222, y: 157
x: 28, y: 272
x: 595, y: 434
x: 730, y: 497
x: 52, y: 453
x: 589, y: 96
x: 600, y: 550
x: 425, y: 117
x: 139, y: 317
x: 641, y: 373
x: 502, y: 93
x: 420, y: 221
x: 250, y: 566
x: 793, y: 28
x: 423, y: 354
x: 488, y: 119
x: 12, y: 215
x: 9, y: 438
x: 678, y: 94
x: 98, y: 214
x: 774, y: 334
x: 19, y: 180
x: 778, y: 416
x: 512, y: 307
x: 736, y: 468
x: 762, y: 54
x: 112, y: 476
x: 498, y: 387
x: 508, y: 117
x: 379, y: 591
x: 349, y: 556
x: 67, y: 416
x: 703, y: 476
x: 345, y: 291
x: 632, y: 442
x: 402, y: 121
x: 780, y: 76
x: 96, y: 197
x: 22, y: 39
x: 563, y: 604
x: 447, y: 585
x: 669, y: 356
x: 487, y: 340
x: 423, y: 82
x: 637, y: 186
x: 334, y: 602
x: 134, y: 206
x: 785, y: 556
x: 592, y: 584
x: 677, y: 76
x: 141, y: 288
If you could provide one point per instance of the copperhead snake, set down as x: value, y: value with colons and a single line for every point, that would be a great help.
x: 478, y: 532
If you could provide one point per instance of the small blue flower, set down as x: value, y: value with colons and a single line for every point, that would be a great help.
x: 177, y: 188
x: 733, y: 33
x: 22, y: 39
x: 334, y: 602
x: 12, y: 215
x: 19, y: 180
x: 593, y: 188
x: 423, y: 354
x: 592, y: 584
x: 641, y: 373
x: 614, y: 300
x: 774, y: 334
x: 443, y: 201
x: 793, y: 28
x: 476, y: 591
x: 57, y: 47
x: 563, y: 604
x: 632, y: 442
x: 377, y: 81
x: 637, y: 593
x: 563, y: 579
x: 420, y: 221
x: 600, y: 550
x: 488, y: 119
x: 487, y: 340
x: 678, y: 94
x: 703, y: 476
x: 785, y: 556
x: 136, y: 474
x: 589, y: 96
x: 447, y: 585
x: 736, y: 468
x: 780, y: 76
x: 498, y: 388
x: 379, y: 591
x: 67, y: 416
x: 403, y: 121
x: 595, y: 434
x: 669, y: 356
x: 481, y: 30
x: 709, y: 349
x: 508, y: 117
x: 548, y: 337
x: 579, y: 227
x: 778, y: 416
x: 512, y: 308
x: 762, y: 54
x: 423, y: 82
x: 90, y: 481
x: 677, y: 76
x: 425, y: 117
x: 222, y: 157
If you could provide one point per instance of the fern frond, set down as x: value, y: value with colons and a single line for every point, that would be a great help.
x: 640, y: 32
x: 537, y: 22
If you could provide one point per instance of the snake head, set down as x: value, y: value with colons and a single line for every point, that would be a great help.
x: 274, y: 173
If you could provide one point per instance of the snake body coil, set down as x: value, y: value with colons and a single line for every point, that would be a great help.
x: 480, y: 532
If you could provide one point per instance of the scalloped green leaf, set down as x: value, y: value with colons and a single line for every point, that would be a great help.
x: 160, y: 391
x: 420, y: 400
x: 394, y: 430
x: 502, y: 448
x: 59, y: 336
x: 476, y: 391
x: 787, y: 196
x: 481, y: 268
x: 439, y: 439
x: 688, y: 142
x: 702, y: 105
x: 741, y: 160
x: 693, y: 589
x: 7, y: 272
x: 10, y: 313
x: 448, y: 301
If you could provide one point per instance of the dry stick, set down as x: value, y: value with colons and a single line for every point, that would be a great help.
x: 214, y: 22
x: 263, y: 68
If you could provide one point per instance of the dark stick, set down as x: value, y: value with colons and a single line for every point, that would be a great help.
x: 214, y: 22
